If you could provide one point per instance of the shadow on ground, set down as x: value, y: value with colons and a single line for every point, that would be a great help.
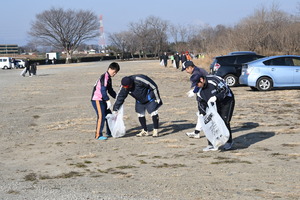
x: 244, y: 141
x: 165, y: 128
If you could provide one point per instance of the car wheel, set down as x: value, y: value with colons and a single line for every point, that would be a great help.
x: 264, y: 84
x: 231, y: 80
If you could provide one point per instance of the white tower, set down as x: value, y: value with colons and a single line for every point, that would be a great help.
x: 102, y: 43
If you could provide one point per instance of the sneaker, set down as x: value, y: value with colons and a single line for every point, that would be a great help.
x: 102, y: 138
x: 142, y: 133
x: 210, y: 148
x: 228, y: 145
x: 155, y: 133
x: 193, y: 135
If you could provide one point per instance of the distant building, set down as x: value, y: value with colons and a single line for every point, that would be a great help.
x: 9, y: 49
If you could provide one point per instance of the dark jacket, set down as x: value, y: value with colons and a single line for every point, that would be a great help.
x: 144, y: 90
x: 214, y: 86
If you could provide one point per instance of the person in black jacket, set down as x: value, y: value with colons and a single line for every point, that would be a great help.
x: 191, y: 69
x: 146, y: 94
x: 177, y: 59
x: 213, y: 89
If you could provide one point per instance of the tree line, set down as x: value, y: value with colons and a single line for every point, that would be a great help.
x: 266, y: 31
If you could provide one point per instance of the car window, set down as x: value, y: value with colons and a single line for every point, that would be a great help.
x: 276, y: 61
x: 296, y: 61
x: 227, y: 60
x: 245, y: 59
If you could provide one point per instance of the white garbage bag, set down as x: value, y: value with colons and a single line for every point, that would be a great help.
x: 116, y: 124
x: 214, y: 127
x: 162, y: 63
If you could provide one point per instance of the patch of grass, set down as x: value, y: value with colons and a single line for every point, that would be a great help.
x: 157, y: 157
x: 166, y: 165
x: 290, y: 145
x: 30, y: 177
x: 102, y: 171
x: 276, y: 154
x: 87, y: 162
x: 79, y: 165
x: 13, y: 192
x: 178, y: 155
x: 45, y: 177
x: 36, y: 116
x: 126, y: 167
x: 119, y: 172
x: 225, y: 160
x: 69, y: 175
x: 142, y: 162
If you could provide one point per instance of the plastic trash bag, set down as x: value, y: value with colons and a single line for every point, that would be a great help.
x: 162, y: 63
x: 23, y: 72
x: 214, y: 127
x: 116, y: 124
x: 174, y: 64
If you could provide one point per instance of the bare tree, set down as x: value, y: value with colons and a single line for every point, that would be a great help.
x: 64, y: 29
x: 151, y: 34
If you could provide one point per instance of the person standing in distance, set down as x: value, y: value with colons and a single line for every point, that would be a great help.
x: 145, y: 91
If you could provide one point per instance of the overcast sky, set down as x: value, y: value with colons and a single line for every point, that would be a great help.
x: 17, y: 15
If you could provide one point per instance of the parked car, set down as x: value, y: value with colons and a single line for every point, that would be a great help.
x: 229, y: 67
x: 20, y: 63
x: 6, y: 63
x: 273, y: 71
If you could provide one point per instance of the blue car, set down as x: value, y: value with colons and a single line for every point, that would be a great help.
x: 274, y: 71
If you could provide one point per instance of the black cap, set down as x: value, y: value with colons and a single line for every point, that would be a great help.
x: 187, y: 64
x: 195, y: 78
x: 126, y: 81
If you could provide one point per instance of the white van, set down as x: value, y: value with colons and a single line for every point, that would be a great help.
x: 6, y: 63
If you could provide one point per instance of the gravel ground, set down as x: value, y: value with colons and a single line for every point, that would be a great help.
x: 48, y: 150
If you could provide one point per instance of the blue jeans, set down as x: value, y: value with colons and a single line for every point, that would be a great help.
x: 101, y: 112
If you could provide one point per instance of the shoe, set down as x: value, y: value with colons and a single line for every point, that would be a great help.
x: 155, y: 133
x: 210, y: 148
x: 193, y: 135
x: 102, y: 138
x: 228, y: 146
x: 142, y: 133
x: 109, y: 135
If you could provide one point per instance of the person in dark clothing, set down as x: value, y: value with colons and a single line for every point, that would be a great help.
x: 190, y: 68
x: 145, y: 91
x: 33, y: 68
x: 214, y: 89
x: 165, y: 58
x: 183, y: 58
x: 27, y: 66
x: 177, y: 59
x: 100, y: 99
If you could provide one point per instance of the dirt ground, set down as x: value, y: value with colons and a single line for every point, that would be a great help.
x: 48, y: 150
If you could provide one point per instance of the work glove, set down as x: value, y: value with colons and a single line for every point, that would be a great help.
x: 212, y: 99
x: 108, y: 104
x: 190, y: 94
